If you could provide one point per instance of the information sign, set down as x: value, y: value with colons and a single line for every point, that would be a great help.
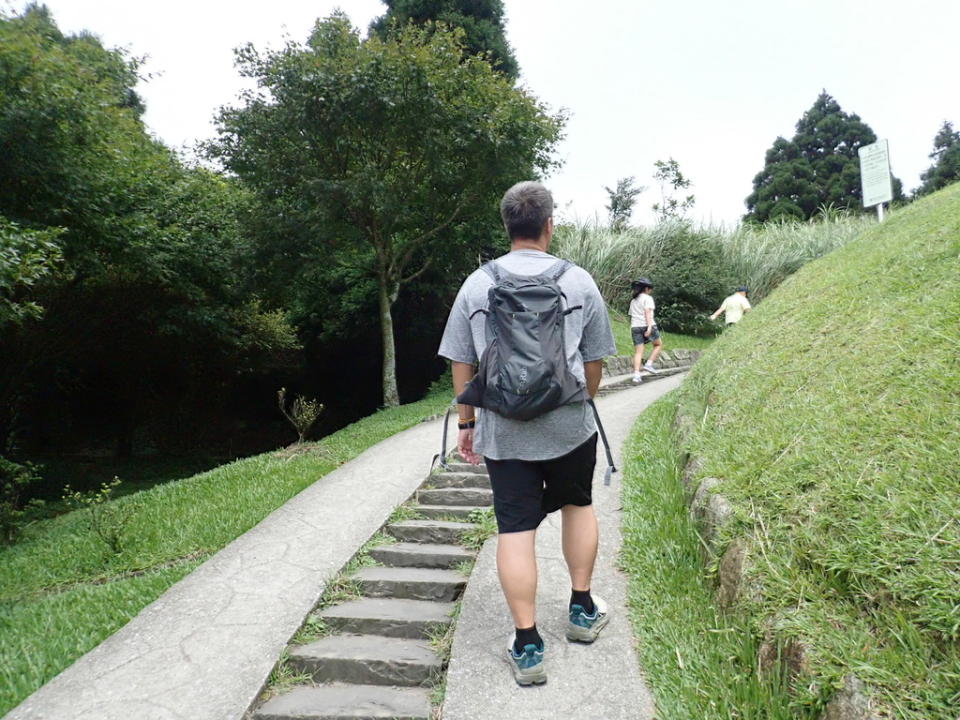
x: 875, y: 174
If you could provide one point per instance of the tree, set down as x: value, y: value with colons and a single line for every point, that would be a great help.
x: 26, y: 258
x: 371, y: 154
x: 148, y: 317
x: 621, y: 202
x: 819, y: 167
x: 946, y: 161
x: 481, y: 20
x: 671, y: 180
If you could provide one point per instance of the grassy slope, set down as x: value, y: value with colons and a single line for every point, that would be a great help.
x: 832, y: 415
x: 700, y: 662
x: 61, y: 593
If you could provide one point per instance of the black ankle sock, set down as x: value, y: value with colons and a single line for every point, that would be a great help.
x: 527, y: 636
x: 583, y: 599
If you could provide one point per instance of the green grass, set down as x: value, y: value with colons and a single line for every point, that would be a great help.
x: 137, y: 473
x: 486, y: 528
x: 700, y: 662
x: 62, y: 592
x: 832, y: 415
x: 671, y: 341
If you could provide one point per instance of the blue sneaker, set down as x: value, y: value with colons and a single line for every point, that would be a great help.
x: 528, y: 668
x: 585, y: 628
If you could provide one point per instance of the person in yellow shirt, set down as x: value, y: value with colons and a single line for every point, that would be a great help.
x: 734, y: 306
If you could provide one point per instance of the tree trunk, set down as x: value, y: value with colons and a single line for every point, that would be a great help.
x: 388, y: 296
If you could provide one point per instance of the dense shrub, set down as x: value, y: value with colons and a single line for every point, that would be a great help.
x: 15, y: 482
x: 693, y: 267
x: 690, y: 279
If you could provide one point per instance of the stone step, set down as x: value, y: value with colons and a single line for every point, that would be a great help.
x: 456, y: 496
x: 367, y: 660
x: 458, y: 480
x: 420, y: 555
x: 388, y: 616
x: 620, y: 382
x: 458, y: 466
x: 411, y: 583
x: 347, y: 702
x: 442, y: 511
x: 429, y: 531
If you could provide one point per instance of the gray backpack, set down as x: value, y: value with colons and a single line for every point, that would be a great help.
x: 523, y: 370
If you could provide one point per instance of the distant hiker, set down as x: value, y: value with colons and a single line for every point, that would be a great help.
x: 643, y: 327
x: 734, y: 306
x: 544, y: 463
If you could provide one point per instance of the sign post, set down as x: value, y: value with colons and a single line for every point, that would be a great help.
x: 875, y: 178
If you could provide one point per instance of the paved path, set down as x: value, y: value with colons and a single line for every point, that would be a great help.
x: 203, y: 649
x: 600, y: 681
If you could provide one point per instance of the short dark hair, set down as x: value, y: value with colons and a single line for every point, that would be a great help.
x: 525, y: 209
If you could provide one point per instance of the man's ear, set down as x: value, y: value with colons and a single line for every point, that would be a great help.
x: 548, y: 229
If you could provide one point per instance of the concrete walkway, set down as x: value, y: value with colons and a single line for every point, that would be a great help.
x: 602, y: 680
x: 204, y: 648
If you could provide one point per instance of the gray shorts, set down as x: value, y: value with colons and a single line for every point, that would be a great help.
x: 639, y: 339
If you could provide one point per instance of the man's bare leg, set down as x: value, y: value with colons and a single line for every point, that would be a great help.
x: 580, y: 539
x: 517, y: 568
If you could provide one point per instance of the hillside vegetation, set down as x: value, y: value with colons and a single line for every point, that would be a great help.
x: 694, y: 267
x: 831, y: 416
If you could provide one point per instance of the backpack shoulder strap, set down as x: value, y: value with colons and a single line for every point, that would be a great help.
x: 555, y: 271
x: 491, y: 269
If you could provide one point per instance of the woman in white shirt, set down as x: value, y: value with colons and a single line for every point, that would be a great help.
x: 643, y: 327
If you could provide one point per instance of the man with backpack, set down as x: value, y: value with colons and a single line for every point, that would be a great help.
x: 540, y: 330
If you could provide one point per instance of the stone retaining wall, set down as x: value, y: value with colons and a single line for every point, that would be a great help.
x: 623, y: 364
x: 711, y: 511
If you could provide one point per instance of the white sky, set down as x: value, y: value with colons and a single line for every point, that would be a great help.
x: 709, y: 83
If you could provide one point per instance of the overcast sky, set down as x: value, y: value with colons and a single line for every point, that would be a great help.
x: 711, y: 84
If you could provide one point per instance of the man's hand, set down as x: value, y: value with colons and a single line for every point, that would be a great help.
x: 465, y: 447
x: 649, y: 330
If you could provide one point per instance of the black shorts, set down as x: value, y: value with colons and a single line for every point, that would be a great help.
x: 525, y: 491
x: 639, y: 339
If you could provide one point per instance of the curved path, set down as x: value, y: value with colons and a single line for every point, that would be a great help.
x: 602, y: 680
x: 203, y: 650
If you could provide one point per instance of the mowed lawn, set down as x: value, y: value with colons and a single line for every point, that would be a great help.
x: 62, y: 592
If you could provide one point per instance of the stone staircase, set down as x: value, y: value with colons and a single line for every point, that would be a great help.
x: 618, y: 371
x: 377, y: 660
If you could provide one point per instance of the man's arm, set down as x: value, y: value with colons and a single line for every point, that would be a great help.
x: 462, y: 374
x: 720, y: 310
x: 593, y: 372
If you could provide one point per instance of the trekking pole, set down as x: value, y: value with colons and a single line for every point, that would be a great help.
x: 611, y: 469
x: 442, y: 456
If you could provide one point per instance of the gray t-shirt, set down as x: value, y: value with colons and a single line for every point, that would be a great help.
x: 587, y: 335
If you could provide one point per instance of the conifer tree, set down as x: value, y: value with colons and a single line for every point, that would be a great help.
x: 818, y: 168
x: 946, y: 161
x: 481, y: 20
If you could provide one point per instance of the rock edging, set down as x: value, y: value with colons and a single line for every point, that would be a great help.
x: 711, y: 511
